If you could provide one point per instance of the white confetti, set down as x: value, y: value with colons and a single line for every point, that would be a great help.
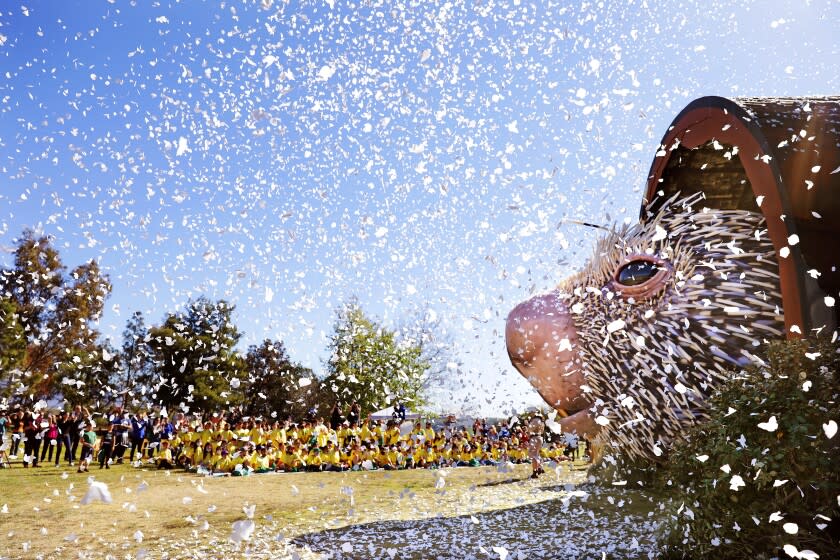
x: 242, y: 530
x: 602, y: 420
x: 830, y: 429
x: 501, y: 551
x: 771, y: 425
x: 659, y: 234
x: 790, y: 528
x: 183, y: 147
x: 326, y: 72
x: 616, y: 325
x: 97, y: 491
x: 736, y: 482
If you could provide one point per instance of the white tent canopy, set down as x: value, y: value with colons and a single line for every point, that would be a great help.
x: 388, y: 414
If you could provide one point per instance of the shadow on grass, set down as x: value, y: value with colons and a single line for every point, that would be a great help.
x: 590, y: 522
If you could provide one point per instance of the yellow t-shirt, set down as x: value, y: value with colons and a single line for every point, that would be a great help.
x: 293, y: 459
x: 381, y: 459
x: 333, y: 457
x: 165, y: 454
x: 392, y: 436
x: 278, y: 435
x: 223, y: 463
x: 314, y: 459
x: 261, y: 462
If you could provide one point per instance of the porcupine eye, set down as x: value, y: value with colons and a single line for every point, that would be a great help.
x: 636, y: 272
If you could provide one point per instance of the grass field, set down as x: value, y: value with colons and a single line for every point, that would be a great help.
x: 405, y: 514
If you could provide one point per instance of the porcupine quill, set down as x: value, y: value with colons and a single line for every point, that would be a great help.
x: 721, y: 300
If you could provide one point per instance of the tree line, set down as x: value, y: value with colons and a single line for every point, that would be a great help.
x: 50, y: 350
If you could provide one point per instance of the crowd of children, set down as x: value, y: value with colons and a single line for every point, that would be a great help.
x: 225, y: 446
x: 255, y: 446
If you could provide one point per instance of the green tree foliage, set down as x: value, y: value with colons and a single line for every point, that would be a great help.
x: 86, y: 377
x: 196, y: 364
x: 370, y: 365
x: 57, y: 312
x: 136, y: 365
x: 12, y: 347
x: 764, y: 471
x: 276, y: 387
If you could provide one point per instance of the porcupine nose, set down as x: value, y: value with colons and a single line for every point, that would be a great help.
x: 542, y: 343
x: 533, y: 325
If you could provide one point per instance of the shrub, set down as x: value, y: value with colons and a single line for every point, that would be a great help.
x: 754, y: 490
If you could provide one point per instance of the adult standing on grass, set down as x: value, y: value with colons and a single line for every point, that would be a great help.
x: 138, y: 433
x: 66, y: 427
x: 17, y: 430
x: 32, y: 443
x: 536, y: 427
x: 106, y: 447
x: 50, y: 439
x: 4, y: 421
x: 122, y: 431
x: 82, y: 419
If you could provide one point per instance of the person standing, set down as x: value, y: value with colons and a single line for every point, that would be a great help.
x: 399, y: 412
x: 32, y: 441
x: 50, y: 439
x: 106, y: 447
x: 335, y: 417
x: 122, y: 434
x: 4, y: 421
x: 88, y: 440
x: 353, y: 415
x: 66, y: 426
x: 82, y: 419
x: 536, y: 428
x: 17, y: 431
x: 138, y: 433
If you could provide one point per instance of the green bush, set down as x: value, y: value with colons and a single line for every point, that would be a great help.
x: 737, y: 487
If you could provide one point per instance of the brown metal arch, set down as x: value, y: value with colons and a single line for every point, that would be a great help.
x: 717, y: 118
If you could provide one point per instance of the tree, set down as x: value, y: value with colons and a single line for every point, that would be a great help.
x: 12, y: 348
x: 136, y: 371
x: 370, y: 365
x: 426, y: 331
x: 277, y: 388
x: 57, y: 312
x: 196, y: 365
x: 85, y: 376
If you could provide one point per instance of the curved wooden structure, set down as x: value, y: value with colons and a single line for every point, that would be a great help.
x: 778, y: 156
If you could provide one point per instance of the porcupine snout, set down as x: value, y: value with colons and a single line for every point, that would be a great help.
x: 542, y: 343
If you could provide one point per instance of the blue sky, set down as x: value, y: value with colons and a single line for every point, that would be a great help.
x: 416, y: 155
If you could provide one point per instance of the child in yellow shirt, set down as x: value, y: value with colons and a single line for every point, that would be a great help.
x: 164, y: 457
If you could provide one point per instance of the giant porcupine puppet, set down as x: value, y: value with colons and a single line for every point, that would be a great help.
x: 633, y: 345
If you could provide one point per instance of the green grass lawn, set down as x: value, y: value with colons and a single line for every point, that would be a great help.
x: 184, y: 515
